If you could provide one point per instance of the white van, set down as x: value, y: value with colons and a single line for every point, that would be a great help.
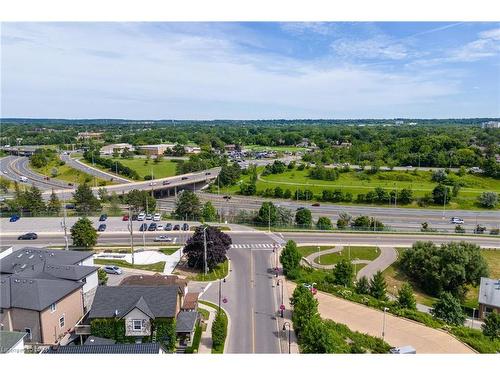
x: 23, y: 179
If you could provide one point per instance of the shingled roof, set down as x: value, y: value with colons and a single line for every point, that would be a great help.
x: 145, y: 348
x: 154, y: 301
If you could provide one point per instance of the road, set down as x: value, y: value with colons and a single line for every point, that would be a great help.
x: 73, y: 163
x: 396, y: 218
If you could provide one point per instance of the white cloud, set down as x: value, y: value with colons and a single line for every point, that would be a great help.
x: 375, y: 48
x: 487, y: 45
x: 300, y: 28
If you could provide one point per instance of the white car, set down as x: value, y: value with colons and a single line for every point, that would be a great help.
x: 160, y: 227
x: 141, y: 216
x: 157, y: 217
x: 114, y: 270
x: 23, y: 179
x: 163, y: 238
x: 149, y: 217
x: 457, y: 220
x: 152, y: 183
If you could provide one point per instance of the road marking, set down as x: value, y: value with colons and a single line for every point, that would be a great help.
x: 252, y: 246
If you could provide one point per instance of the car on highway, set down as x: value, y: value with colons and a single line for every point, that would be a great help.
x: 479, y: 229
x: 70, y: 184
x: 125, y: 218
x: 23, y: 179
x: 157, y: 217
x: 70, y: 206
x: 226, y: 197
x: 101, y: 228
x: 207, y: 173
x: 28, y: 236
x: 152, y: 183
x: 103, y: 217
x: 143, y: 227
x: 315, y: 205
x: 14, y: 218
x: 141, y: 216
x: 185, y: 226
x: 5, y: 172
x: 163, y: 238
x: 457, y: 220
x: 168, y: 226
x: 300, y: 208
x: 152, y: 227
x: 177, y: 227
x: 114, y: 270
x: 409, y: 167
x: 149, y: 217
x: 184, y: 178
x: 160, y: 227
x: 165, y: 183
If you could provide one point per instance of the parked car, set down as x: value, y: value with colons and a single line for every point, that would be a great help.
x: 166, y: 183
x: 134, y: 217
x: 177, y: 227
x: 160, y: 227
x: 115, y: 270
x: 457, y: 220
x: 149, y: 217
x: 168, y: 226
x: 125, y: 218
x: 152, y: 227
x: 141, y: 216
x: 28, y: 236
x: 163, y: 238
x: 14, y: 218
x: 185, y: 226
x: 315, y: 205
x: 157, y: 217
x: 103, y: 217
x: 143, y: 227
x: 101, y: 228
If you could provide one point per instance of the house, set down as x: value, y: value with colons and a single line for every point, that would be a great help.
x: 230, y: 147
x: 12, y: 342
x: 491, y: 125
x: 489, y: 296
x: 4, y: 251
x: 132, y: 312
x: 138, y: 348
x: 192, y: 149
x: 155, y: 280
x: 185, y: 326
x: 44, y: 293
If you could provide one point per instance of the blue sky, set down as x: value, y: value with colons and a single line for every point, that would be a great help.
x: 250, y: 70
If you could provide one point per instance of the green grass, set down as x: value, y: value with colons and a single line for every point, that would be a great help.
x: 204, y: 313
x: 360, y: 252
x: 68, y: 174
x: 308, y: 250
x: 493, y: 259
x: 356, y: 183
x: 219, y: 350
x: 156, y: 267
x: 217, y: 273
x: 169, y: 250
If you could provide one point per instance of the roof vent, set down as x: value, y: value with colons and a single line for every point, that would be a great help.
x: 31, y: 256
x: 116, y: 312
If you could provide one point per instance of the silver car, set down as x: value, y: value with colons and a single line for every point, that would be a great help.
x: 114, y: 270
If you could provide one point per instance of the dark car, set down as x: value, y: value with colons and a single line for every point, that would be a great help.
x: 70, y: 184
x: 152, y: 227
x: 125, y: 218
x: 101, y: 228
x: 177, y: 227
x: 184, y: 178
x: 28, y: 236
x: 134, y: 217
x: 208, y: 173
x: 185, y: 226
x: 103, y: 217
x: 70, y: 206
x: 315, y: 204
x: 166, y: 183
x: 14, y: 218
x: 143, y: 227
x: 226, y: 197
x: 168, y: 226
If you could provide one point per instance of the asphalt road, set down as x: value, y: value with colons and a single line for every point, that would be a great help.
x: 91, y: 171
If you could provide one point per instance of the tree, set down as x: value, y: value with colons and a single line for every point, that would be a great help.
x: 140, y: 200
x: 228, y: 175
x: 324, y: 223
x: 363, y: 286
x: 378, y: 286
x: 188, y: 206
x: 54, y: 205
x: 103, y: 194
x: 344, y: 220
x: 448, y: 308
x: 248, y: 188
x: 83, y: 233
x: 209, y: 213
x: 317, y: 338
x: 488, y: 199
x: 219, y: 330
x: 85, y: 201
x: 406, y: 299
x: 491, y: 326
x: 218, y: 244
x: 102, y: 276
x: 33, y: 201
x: 405, y: 196
x: 267, y: 214
x: 303, y: 217
x: 284, y: 217
x: 441, y: 194
x: 4, y: 185
x: 305, y: 308
x: 290, y: 257
x: 343, y: 273
x: 114, y: 204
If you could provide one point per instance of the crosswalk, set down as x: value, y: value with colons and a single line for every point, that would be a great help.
x: 252, y: 246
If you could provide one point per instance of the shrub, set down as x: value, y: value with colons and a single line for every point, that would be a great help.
x: 219, y: 331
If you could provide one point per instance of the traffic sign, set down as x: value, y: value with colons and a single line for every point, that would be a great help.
x: 282, y: 307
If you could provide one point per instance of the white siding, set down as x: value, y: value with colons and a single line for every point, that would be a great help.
x: 92, y: 281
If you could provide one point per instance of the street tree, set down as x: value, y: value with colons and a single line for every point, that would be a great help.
x: 491, y: 326
x: 343, y: 273
x: 33, y: 201
x: 406, y: 298
x: 488, y: 199
x: 85, y: 201
x: 448, y: 309
x: 305, y: 307
x: 83, y: 233
x: 303, y: 217
x: 140, y: 200
x: 317, y: 338
x: 217, y: 243
x: 188, y: 206
x: 405, y: 196
x: 54, y: 204
x: 209, y: 213
x: 284, y: 217
x: 324, y: 223
x: 267, y: 214
x: 363, y: 286
x: 441, y: 194
x: 378, y: 286
x: 290, y: 257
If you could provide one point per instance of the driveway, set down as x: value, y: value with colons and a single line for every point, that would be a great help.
x: 398, y: 331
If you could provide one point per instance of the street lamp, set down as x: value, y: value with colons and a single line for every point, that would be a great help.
x: 220, y: 289
x: 285, y: 325
x: 473, y: 314
x: 383, y: 326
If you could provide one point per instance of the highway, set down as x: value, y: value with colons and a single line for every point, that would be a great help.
x: 76, y: 164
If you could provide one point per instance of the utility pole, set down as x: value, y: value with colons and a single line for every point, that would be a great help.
x: 131, y: 229
x: 205, y: 249
x: 444, y: 201
x: 64, y: 224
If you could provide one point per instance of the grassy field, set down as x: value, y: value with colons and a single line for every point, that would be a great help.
x: 361, y: 183
x: 156, y: 267
x: 217, y: 273
x: 66, y: 173
x: 164, y: 168
x: 308, y: 250
x: 169, y: 250
x: 360, y: 252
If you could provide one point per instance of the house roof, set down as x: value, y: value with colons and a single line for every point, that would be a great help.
x: 489, y: 292
x: 58, y: 271
x: 186, y: 321
x: 190, y: 301
x: 94, y: 340
x: 145, y: 348
x: 111, y: 301
x: 9, y: 339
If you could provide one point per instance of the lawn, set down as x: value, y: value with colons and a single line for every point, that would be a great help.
x: 308, y: 250
x: 156, y: 267
x: 164, y: 168
x: 360, y: 252
x: 169, y: 250
x: 217, y: 273
x: 68, y: 174
x: 213, y: 305
x: 357, y: 182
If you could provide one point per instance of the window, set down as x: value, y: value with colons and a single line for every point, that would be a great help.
x: 61, y: 321
x: 137, y: 325
x: 28, y: 336
x: 53, y: 307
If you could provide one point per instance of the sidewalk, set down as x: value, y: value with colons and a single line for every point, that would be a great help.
x: 206, y: 336
x: 287, y: 317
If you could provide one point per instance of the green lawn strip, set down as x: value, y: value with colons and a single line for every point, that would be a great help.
x: 169, y: 250
x: 196, y: 340
x: 219, y: 350
x: 156, y: 267
x: 219, y: 272
x: 204, y: 313
x: 360, y: 252
x: 70, y: 175
x: 308, y: 250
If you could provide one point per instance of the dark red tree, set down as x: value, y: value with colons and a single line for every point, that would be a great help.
x: 217, y: 245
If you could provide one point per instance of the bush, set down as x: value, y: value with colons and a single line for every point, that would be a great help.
x: 219, y: 331
x: 488, y: 199
x: 448, y: 309
x: 324, y: 223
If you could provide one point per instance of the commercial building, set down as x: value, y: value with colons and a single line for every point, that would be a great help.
x: 489, y: 296
x: 118, y: 147
x: 154, y: 150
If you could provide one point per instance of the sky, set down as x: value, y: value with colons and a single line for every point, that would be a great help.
x: 205, y: 71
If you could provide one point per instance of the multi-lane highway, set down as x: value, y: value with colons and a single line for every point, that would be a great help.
x: 78, y: 165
